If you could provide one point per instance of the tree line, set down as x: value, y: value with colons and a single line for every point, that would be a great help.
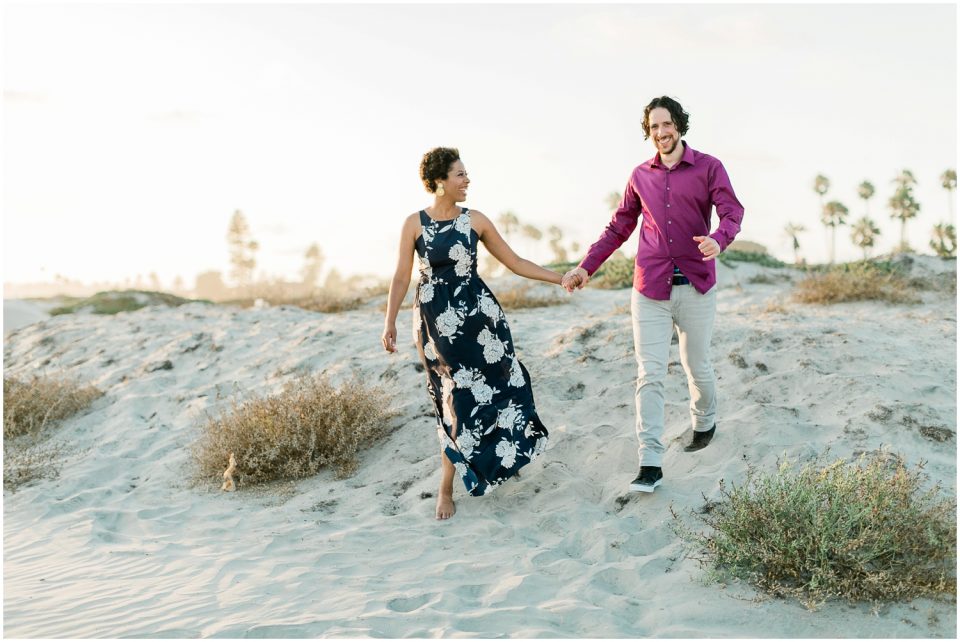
x: 902, y: 205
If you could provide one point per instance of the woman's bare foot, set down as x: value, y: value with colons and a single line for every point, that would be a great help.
x: 445, y: 506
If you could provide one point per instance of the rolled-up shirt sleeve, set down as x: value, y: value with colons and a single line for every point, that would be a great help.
x: 618, y: 230
x: 729, y: 209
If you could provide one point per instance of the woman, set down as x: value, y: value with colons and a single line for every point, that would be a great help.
x: 487, y: 422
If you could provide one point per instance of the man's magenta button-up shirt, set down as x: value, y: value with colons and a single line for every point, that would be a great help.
x: 675, y: 205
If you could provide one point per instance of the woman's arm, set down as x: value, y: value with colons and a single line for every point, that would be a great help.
x: 400, y: 283
x: 491, y: 238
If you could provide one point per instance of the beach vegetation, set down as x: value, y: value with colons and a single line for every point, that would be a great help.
x: 730, y: 257
x: 521, y: 297
x: 868, y: 529
x: 903, y: 206
x: 856, y: 281
x: 115, y: 301
x: 32, y: 409
x: 310, y: 424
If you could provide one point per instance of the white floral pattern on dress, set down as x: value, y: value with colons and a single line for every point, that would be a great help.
x: 461, y: 255
x: 493, y: 348
x: 489, y: 307
x: 462, y: 224
x: 508, y: 417
x: 426, y: 292
x: 474, y: 380
x: 449, y: 322
x: 516, y: 373
x: 429, y: 351
x: 507, y: 451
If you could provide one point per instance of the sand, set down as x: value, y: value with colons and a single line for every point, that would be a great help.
x: 121, y: 545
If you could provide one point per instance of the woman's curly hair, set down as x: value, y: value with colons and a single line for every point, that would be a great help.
x: 435, y: 164
x: 680, y: 118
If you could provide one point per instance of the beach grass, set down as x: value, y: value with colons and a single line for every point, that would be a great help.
x: 857, y: 281
x: 32, y: 409
x: 868, y: 529
x: 730, y: 257
x: 309, y: 425
x: 112, y: 302
x: 520, y: 297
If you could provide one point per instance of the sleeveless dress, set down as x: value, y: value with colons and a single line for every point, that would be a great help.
x: 486, y: 418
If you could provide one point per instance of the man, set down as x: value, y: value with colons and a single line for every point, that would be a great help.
x: 675, y: 274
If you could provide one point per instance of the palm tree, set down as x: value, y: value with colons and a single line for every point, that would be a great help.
x: 508, y: 222
x: 944, y: 241
x: 949, y: 181
x: 834, y: 215
x: 531, y: 232
x: 792, y: 230
x: 821, y: 184
x: 555, y: 235
x: 613, y: 200
x: 864, y: 234
x: 903, y: 205
x: 865, y: 190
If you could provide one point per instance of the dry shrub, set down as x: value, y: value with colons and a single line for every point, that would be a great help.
x: 863, y: 530
x: 520, y: 297
x: 855, y: 282
x: 26, y: 460
x: 310, y: 424
x: 31, y: 409
x: 328, y: 303
x: 32, y: 405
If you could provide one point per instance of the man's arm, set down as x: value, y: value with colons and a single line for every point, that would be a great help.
x: 618, y: 230
x: 728, y: 207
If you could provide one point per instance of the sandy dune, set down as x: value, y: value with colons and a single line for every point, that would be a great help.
x: 121, y: 546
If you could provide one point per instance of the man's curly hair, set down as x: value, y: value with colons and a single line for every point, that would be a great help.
x: 435, y: 164
x: 680, y: 118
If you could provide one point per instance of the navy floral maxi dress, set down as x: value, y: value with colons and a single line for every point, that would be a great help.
x: 487, y: 422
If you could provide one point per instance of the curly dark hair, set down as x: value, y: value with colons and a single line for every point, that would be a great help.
x: 680, y: 118
x: 435, y: 164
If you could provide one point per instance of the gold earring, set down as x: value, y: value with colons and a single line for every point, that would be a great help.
x: 440, y: 191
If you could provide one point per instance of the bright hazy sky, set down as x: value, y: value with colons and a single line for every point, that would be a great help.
x: 132, y: 132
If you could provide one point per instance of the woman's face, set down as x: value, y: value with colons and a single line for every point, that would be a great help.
x: 456, y: 183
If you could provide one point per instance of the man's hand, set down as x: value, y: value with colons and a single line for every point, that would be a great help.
x: 574, y: 279
x: 708, y: 247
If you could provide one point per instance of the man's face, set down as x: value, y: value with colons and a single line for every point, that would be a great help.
x: 663, y: 132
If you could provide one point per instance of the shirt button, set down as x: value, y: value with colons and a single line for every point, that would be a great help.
x: 668, y: 189
x: 668, y: 204
x: 671, y: 240
x: 669, y: 222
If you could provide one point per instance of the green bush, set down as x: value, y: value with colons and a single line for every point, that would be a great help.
x: 862, y: 530
x: 614, y: 274
x: 729, y: 257
x: 113, y: 302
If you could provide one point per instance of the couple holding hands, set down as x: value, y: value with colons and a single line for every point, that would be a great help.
x: 487, y: 421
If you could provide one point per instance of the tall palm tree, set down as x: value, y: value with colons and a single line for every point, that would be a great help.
x: 792, y: 230
x: 903, y: 205
x: 864, y: 234
x: 865, y: 190
x: 821, y: 184
x: 508, y: 222
x: 944, y: 241
x: 834, y: 214
x: 613, y: 200
x: 555, y: 235
x: 949, y: 181
x: 533, y: 233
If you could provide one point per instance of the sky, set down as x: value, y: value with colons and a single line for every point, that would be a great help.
x: 132, y: 132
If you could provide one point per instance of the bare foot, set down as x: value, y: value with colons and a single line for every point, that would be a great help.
x: 445, y: 506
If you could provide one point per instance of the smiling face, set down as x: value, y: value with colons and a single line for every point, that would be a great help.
x: 663, y: 131
x: 456, y: 183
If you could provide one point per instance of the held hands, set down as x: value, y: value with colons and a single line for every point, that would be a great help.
x: 708, y: 247
x: 575, y: 279
x: 389, y: 338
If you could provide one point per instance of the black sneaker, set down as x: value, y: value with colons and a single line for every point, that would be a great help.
x: 700, y: 439
x: 648, y: 479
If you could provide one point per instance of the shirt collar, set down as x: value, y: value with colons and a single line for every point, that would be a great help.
x: 686, y: 158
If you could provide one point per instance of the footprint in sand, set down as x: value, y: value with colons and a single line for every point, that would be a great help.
x: 407, y: 604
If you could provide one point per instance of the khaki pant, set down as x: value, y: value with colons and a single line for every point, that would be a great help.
x: 653, y: 321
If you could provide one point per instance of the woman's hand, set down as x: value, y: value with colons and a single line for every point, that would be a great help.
x: 389, y: 338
